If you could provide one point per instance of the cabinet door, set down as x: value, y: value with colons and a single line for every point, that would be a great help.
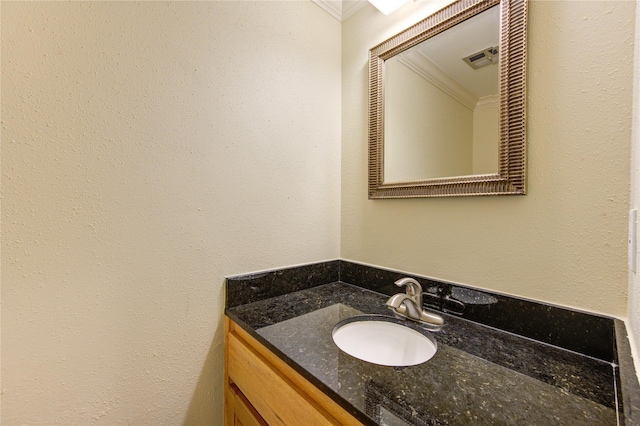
x: 275, y: 398
x: 243, y: 412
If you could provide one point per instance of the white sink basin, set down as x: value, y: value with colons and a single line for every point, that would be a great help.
x: 384, y: 340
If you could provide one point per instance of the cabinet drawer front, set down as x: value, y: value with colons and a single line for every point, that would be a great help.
x: 275, y: 397
x: 243, y: 413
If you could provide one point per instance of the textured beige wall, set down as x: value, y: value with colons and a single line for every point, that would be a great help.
x: 634, y: 278
x: 148, y: 150
x: 564, y: 242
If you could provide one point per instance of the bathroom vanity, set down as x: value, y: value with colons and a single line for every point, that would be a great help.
x: 500, y: 360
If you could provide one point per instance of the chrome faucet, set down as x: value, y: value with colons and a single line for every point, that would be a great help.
x: 409, y: 304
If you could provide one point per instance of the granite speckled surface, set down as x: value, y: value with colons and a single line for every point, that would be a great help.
x: 253, y: 287
x: 479, y: 375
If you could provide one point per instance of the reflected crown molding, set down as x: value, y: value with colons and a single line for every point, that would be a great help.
x: 428, y: 70
x: 486, y: 102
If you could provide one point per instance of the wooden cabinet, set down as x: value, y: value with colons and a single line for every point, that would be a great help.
x: 261, y: 389
x: 242, y: 412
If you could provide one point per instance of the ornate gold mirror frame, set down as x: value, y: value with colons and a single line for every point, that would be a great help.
x: 511, y: 176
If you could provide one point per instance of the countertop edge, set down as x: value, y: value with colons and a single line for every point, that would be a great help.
x: 629, y: 385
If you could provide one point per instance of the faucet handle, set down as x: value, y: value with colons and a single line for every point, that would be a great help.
x: 414, y: 289
x: 409, y: 305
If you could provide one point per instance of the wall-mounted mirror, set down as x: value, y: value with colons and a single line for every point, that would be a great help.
x: 447, y: 104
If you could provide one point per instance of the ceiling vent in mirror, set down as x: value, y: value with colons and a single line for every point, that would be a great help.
x: 482, y: 58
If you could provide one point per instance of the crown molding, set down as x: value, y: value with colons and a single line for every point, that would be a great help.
x: 341, y: 10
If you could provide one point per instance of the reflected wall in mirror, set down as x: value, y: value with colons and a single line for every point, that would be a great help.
x: 447, y: 104
x: 440, y: 111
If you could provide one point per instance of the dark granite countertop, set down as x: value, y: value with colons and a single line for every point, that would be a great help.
x: 480, y: 375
